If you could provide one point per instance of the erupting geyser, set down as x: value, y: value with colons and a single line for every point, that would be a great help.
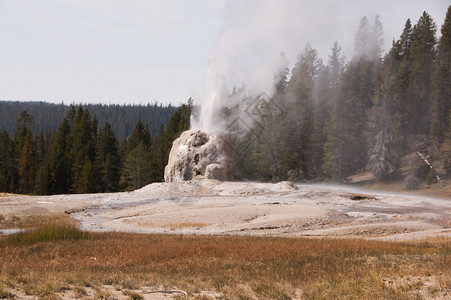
x: 198, y: 155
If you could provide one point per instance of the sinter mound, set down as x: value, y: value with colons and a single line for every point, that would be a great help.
x: 198, y: 155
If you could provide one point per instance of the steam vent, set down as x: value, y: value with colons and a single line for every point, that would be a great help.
x: 196, y: 155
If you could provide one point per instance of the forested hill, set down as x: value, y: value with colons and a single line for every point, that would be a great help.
x: 122, y: 118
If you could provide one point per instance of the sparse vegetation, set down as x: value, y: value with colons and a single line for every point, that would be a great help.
x: 50, y: 228
x: 56, y: 258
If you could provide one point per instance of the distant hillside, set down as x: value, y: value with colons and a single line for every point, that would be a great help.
x: 122, y: 118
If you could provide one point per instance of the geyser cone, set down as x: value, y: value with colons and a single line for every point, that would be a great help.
x: 198, y: 155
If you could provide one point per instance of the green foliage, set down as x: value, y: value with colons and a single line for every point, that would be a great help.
x: 321, y: 122
x: 108, y: 159
x: 83, y: 140
x: 136, y: 171
x: 60, y: 161
x: 441, y: 85
x: 7, y: 163
x: 339, y: 120
x: 421, y: 59
x: 346, y: 146
x: 26, y: 166
x: 179, y: 121
x: 122, y: 118
x: 139, y: 135
x: 79, y: 158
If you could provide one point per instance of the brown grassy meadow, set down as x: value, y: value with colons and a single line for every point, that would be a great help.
x: 55, y: 258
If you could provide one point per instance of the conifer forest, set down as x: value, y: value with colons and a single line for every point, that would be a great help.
x: 383, y: 112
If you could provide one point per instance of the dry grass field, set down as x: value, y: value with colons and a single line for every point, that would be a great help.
x: 54, y: 260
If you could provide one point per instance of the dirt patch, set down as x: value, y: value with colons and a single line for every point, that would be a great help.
x: 358, y: 197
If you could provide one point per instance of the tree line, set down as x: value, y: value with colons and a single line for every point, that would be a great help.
x: 324, y: 121
x: 122, y: 118
x: 78, y: 157
x: 331, y: 121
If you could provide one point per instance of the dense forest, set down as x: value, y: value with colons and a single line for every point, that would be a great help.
x: 78, y: 157
x: 122, y: 118
x: 387, y: 116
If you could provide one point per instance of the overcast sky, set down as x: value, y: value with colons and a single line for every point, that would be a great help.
x: 142, y: 51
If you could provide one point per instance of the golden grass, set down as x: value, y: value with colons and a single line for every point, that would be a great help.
x: 173, y: 226
x: 237, y: 267
x: 185, y: 225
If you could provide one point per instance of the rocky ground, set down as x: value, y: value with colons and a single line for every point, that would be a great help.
x: 247, y: 208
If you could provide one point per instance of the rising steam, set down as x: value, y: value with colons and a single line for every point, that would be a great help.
x: 247, y: 54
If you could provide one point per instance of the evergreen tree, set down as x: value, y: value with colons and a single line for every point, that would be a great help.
x: 362, y: 39
x: 327, y: 86
x: 27, y: 166
x: 256, y: 150
x: 422, y: 54
x: 179, y: 121
x: 83, y: 139
x: 24, y: 153
x: 441, y: 94
x: 43, y: 147
x: 300, y: 127
x: 108, y: 159
x: 386, y: 129
x: 59, y: 165
x: 24, y: 127
x: 159, y: 155
x: 368, y: 40
x: 384, y: 147
x: 136, y: 171
x: 139, y: 135
x: 7, y: 168
x: 345, y: 151
x: 400, y: 62
x: 281, y: 146
x: 70, y: 117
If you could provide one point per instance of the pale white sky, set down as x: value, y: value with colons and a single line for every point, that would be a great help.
x: 142, y: 51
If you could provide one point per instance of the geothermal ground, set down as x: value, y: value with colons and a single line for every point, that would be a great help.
x: 247, y: 208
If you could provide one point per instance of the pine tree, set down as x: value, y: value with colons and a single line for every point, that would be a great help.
x: 27, y: 166
x: 24, y: 127
x: 179, y: 121
x: 422, y: 54
x: 108, y: 159
x: 136, y: 171
x: 43, y: 184
x: 7, y: 165
x: 441, y: 94
x: 362, y: 39
x: 384, y: 147
x: 59, y: 161
x: 346, y: 147
x: 386, y: 129
x: 88, y: 179
x: 298, y: 129
x: 43, y: 147
x: 159, y: 155
x: 137, y: 166
x: 327, y: 86
x: 83, y: 139
x: 24, y: 157
x: 139, y: 135
x: 400, y: 63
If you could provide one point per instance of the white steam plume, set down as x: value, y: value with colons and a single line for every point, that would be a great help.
x: 255, y: 32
